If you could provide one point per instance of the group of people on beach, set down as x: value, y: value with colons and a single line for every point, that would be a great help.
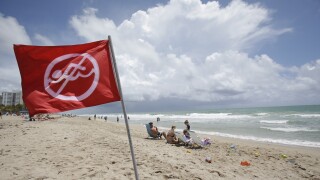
x: 171, y: 136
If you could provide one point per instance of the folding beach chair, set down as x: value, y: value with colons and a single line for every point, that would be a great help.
x: 180, y: 137
x: 191, y: 144
x: 150, y: 135
x: 196, y: 139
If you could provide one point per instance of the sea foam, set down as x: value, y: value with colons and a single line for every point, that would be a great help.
x: 274, y: 121
x: 277, y: 141
x: 296, y: 129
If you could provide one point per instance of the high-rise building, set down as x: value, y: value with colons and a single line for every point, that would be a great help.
x: 11, y: 98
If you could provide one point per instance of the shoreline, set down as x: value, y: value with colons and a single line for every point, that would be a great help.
x: 240, y: 141
x: 76, y: 148
x: 286, y: 147
x: 113, y: 119
x: 223, y: 138
x: 264, y: 142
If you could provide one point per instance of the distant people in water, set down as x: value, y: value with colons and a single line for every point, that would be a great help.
x: 158, y: 119
x: 186, y: 122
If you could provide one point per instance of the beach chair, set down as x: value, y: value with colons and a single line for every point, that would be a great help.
x: 180, y: 137
x: 196, y: 140
x: 150, y: 135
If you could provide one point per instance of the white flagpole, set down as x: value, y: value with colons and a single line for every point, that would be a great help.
x: 123, y: 108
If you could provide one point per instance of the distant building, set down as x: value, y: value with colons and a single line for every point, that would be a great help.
x: 11, y: 98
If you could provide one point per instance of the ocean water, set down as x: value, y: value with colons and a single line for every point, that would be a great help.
x: 291, y: 125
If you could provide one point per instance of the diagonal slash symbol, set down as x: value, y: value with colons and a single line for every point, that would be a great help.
x: 59, y: 76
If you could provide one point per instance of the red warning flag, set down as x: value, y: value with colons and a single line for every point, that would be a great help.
x: 61, y: 78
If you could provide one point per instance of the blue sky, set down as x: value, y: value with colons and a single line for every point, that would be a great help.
x: 183, y: 52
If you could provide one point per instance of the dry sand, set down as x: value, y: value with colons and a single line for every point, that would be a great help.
x: 76, y: 148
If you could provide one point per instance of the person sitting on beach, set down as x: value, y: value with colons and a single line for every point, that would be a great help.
x: 186, y: 122
x: 155, y: 132
x: 187, y: 138
x: 171, y: 136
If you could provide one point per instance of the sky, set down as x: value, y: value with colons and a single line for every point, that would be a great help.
x: 181, y: 54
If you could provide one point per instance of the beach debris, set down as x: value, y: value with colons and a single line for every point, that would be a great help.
x: 232, y: 146
x: 206, y: 141
x: 291, y: 161
x: 256, y: 153
x: 245, y: 163
x: 208, y: 159
x: 283, y: 156
x: 232, y: 150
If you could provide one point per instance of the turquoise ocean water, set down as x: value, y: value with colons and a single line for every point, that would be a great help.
x: 291, y: 125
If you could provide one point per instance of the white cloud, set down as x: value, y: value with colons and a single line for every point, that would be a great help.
x: 91, y: 27
x: 195, y: 51
x: 11, y: 33
x: 42, y: 40
x: 186, y: 50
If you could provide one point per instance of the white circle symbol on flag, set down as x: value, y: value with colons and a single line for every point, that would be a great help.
x: 71, y: 73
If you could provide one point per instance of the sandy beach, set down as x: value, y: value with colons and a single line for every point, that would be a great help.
x: 76, y: 148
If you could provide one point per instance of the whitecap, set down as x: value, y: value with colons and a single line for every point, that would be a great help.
x: 290, y: 129
x: 278, y: 141
x: 274, y: 121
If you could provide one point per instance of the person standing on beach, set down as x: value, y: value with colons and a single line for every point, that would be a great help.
x: 95, y: 116
x: 117, y: 119
x: 0, y: 114
x: 186, y: 122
